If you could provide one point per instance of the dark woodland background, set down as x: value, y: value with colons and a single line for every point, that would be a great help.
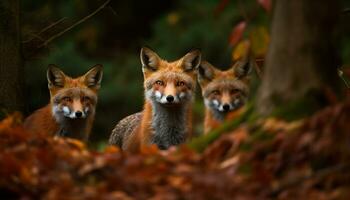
x: 114, y: 36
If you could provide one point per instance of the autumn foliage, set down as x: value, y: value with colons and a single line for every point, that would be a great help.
x: 305, y: 159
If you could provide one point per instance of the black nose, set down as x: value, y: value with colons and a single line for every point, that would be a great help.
x: 226, y: 107
x: 78, y: 114
x: 170, y: 98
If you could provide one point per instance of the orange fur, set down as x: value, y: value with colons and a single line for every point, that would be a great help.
x: 145, y: 130
x: 42, y: 121
x: 229, y: 87
x: 76, y: 94
x: 169, y: 72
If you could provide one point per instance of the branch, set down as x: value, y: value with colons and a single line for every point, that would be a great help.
x: 44, y: 29
x: 341, y: 75
x: 74, y: 25
x: 257, y: 67
x: 52, y: 25
x: 112, y: 10
x: 346, y: 11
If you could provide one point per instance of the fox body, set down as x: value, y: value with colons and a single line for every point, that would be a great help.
x: 166, y: 119
x: 72, y: 104
x: 224, y: 92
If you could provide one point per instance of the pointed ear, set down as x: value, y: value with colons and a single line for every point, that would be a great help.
x: 191, y: 60
x: 55, y: 76
x: 243, y: 68
x: 93, y: 77
x: 205, y: 72
x: 149, y: 59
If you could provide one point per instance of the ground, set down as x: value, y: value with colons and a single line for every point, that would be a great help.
x: 266, y: 159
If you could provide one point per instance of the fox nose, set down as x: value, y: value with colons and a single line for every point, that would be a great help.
x: 170, y: 98
x: 78, y: 114
x: 226, y: 107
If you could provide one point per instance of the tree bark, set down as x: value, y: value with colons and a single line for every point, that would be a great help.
x: 11, y: 68
x: 302, y: 58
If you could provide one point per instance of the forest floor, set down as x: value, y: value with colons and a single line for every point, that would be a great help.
x: 270, y: 159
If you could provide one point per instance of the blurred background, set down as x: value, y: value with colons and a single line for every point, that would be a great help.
x: 114, y: 36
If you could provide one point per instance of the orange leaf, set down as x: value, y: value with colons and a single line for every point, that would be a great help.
x: 259, y: 38
x: 149, y: 150
x: 112, y: 149
x: 76, y: 143
x: 241, y: 50
x: 12, y: 120
x: 173, y: 18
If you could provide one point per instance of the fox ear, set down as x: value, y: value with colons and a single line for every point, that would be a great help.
x: 93, y: 77
x: 243, y: 68
x: 205, y: 71
x: 55, y: 76
x: 191, y: 60
x: 149, y: 59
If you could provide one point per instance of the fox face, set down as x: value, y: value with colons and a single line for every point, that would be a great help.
x: 169, y: 83
x: 74, y: 103
x: 73, y: 98
x: 224, y: 91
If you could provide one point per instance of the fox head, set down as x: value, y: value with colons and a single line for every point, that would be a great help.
x: 169, y: 83
x: 73, y: 98
x: 224, y: 91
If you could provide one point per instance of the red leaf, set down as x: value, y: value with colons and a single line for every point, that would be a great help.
x: 221, y: 6
x: 237, y: 33
x: 266, y: 4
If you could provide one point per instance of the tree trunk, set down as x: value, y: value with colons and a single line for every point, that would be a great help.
x: 11, y: 68
x: 302, y: 60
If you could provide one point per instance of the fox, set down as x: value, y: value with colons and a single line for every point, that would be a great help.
x: 71, y: 110
x: 166, y: 118
x: 225, y: 92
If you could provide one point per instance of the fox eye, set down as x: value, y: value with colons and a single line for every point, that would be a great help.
x: 216, y: 92
x: 159, y: 82
x: 86, y: 98
x: 234, y: 91
x: 67, y: 99
x: 180, y: 83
